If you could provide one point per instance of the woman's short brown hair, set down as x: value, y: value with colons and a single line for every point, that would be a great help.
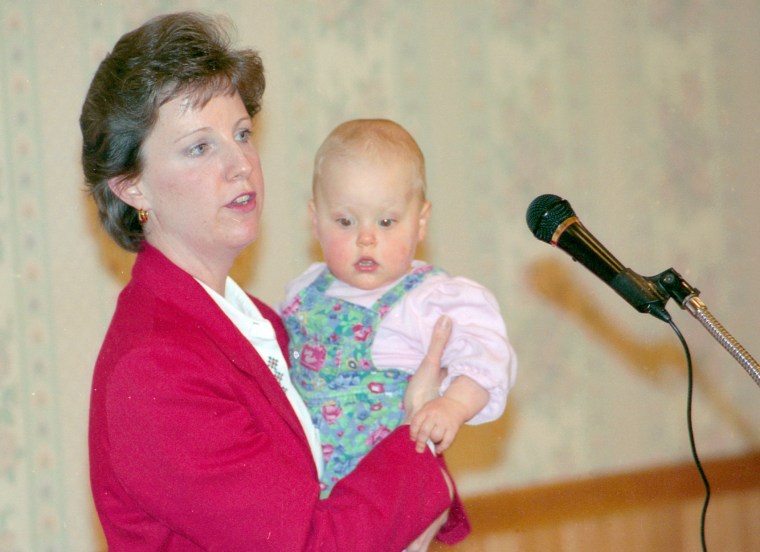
x: 176, y: 55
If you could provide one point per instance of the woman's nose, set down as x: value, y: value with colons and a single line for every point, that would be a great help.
x: 238, y: 164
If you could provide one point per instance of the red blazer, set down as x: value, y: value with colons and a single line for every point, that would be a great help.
x: 194, y: 446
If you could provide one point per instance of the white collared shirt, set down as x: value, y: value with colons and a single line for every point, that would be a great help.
x: 259, y: 332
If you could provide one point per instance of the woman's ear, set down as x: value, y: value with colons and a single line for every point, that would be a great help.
x: 129, y: 191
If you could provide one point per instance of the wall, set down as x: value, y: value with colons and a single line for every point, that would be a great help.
x: 657, y: 509
x: 644, y: 115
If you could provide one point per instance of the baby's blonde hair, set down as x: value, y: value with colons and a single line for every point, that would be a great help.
x: 373, y: 138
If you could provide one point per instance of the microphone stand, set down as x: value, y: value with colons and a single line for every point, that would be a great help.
x: 688, y: 299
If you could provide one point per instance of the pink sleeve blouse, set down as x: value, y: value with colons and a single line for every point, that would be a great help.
x: 478, y: 348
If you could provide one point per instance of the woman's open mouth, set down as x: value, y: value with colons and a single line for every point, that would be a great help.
x: 243, y: 202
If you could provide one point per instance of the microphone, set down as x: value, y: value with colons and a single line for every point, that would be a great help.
x: 551, y: 219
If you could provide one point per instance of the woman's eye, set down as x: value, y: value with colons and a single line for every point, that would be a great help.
x: 198, y: 150
x: 244, y: 135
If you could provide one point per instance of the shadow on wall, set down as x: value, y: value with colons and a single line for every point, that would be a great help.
x: 481, y: 447
x: 551, y: 280
x: 100, y: 539
x: 117, y: 262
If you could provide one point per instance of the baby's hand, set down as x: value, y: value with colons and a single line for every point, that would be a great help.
x: 439, y: 420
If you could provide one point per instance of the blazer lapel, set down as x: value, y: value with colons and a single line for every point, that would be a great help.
x: 172, y: 284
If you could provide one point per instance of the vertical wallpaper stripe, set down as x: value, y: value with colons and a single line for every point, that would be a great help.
x: 39, y: 435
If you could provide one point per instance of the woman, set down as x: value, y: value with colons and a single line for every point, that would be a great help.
x: 197, y: 440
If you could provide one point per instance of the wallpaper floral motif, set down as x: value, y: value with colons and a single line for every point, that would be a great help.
x: 643, y: 115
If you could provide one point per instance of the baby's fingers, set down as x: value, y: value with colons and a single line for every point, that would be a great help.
x: 420, y: 430
x: 445, y: 442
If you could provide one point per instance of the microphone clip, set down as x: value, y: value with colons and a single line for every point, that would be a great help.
x: 687, y: 297
x: 663, y: 286
x: 672, y: 284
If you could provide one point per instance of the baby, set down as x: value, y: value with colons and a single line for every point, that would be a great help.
x: 360, y: 323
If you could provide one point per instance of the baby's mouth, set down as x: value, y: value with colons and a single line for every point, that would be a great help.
x: 366, y: 263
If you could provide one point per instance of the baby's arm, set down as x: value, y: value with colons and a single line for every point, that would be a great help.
x: 440, y: 419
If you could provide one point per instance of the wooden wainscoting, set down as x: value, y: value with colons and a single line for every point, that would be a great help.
x: 647, y: 511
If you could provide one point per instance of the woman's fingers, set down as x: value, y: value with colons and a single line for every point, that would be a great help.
x: 438, y: 340
x: 424, y: 384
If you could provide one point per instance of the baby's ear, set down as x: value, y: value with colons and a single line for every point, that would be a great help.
x: 314, y: 219
x: 424, y: 216
x: 129, y: 191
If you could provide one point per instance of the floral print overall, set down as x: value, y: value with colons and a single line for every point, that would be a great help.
x: 353, y: 404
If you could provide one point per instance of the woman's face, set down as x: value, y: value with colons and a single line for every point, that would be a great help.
x: 201, y: 184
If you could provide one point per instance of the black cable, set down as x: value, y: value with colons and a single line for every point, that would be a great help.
x: 691, y: 435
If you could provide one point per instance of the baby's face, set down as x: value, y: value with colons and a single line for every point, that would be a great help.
x: 368, y: 217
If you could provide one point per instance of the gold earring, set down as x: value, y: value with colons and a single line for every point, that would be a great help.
x: 142, y: 216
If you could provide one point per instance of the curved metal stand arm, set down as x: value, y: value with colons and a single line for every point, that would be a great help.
x: 698, y: 309
x: 688, y: 299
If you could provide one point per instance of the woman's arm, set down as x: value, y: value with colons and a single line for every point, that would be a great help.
x: 189, y: 442
x: 453, y: 525
x: 217, y: 466
x: 426, y: 381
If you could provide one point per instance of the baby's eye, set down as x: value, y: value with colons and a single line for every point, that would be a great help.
x: 345, y: 222
x: 386, y: 223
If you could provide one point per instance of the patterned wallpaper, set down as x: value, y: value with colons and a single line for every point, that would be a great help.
x: 644, y: 115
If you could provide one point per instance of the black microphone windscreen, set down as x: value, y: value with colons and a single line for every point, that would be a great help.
x: 545, y: 214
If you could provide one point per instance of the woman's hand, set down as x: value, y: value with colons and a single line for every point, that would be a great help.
x: 424, y: 385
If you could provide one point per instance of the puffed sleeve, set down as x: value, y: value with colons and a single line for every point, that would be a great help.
x: 478, y: 348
